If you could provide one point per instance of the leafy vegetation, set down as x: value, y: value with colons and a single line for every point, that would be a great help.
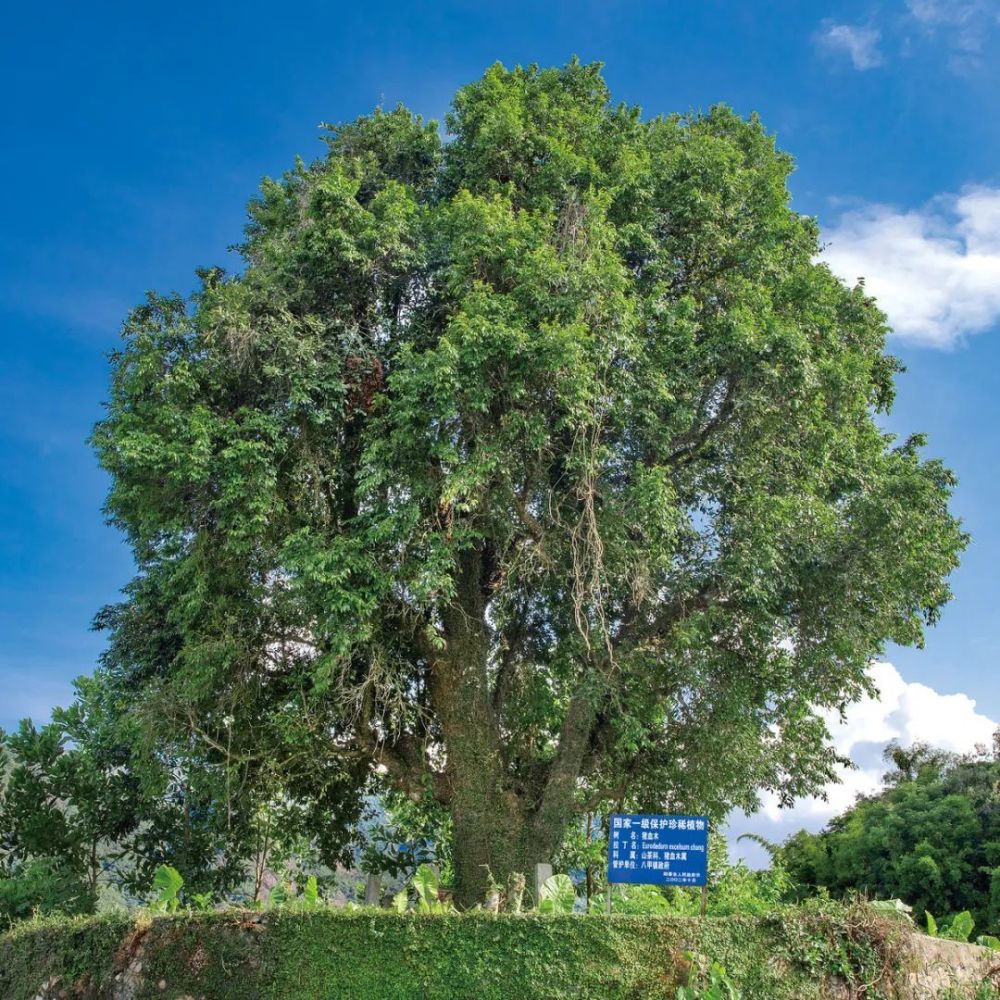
x: 804, y: 954
x: 557, y: 895
x: 42, y: 885
x: 718, y: 987
x: 86, y: 804
x: 167, y: 884
x: 931, y: 838
x: 401, y: 833
x: 427, y: 887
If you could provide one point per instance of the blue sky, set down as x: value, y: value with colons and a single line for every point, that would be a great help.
x: 134, y: 133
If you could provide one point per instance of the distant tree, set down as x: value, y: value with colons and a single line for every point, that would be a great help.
x: 534, y: 470
x: 232, y: 792
x: 932, y: 838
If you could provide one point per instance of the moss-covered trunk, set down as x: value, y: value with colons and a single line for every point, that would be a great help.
x: 488, y: 817
x: 500, y: 826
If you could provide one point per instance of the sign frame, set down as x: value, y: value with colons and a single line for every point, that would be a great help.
x: 655, y: 849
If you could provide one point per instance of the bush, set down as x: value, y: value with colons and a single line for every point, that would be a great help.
x: 796, y: 954
x: 43, y: 886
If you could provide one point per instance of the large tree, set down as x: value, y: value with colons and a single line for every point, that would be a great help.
x: 536, y: 468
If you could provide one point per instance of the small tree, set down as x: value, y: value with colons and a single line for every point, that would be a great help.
x: 536, y: 469
x: 68, y: 803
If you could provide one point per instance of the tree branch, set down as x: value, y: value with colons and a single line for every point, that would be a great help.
x: 403, y: 757
x: 586, y: 725
x: 638, y: 628
x: 690, y: 443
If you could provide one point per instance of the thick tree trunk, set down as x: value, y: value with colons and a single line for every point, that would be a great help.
x: 487, y: 817
x: 496, y: 832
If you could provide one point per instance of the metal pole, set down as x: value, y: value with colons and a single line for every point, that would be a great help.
x: 608, y: 899
x: 704, y: 898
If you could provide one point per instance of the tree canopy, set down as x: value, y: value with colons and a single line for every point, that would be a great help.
x: 531, y: 469
x: 931, y: 838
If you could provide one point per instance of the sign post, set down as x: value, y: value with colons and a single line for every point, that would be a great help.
x: 659, y: 850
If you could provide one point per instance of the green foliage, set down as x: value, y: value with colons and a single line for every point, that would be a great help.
x: 427, y: 887
x: 717, y: 987
x: 167, y: 885
x: 931, y: 838
x: 556, y: 895
x: 310, y: 893
x: 732, y: 888
x: 42, y: 886
x: 201, y: 902
x: 278, y: 895
x: 989, y: 941
x: 67, y: 794
x: 108, y: 808
x: 960, y: 927
x: 499, y: 451
x: 378, y: 955
x: 993, y: 910
x: 642, y: 900
x: 585, y: 849
x: 741, y: 890
x: 406, y: 833
x: 282, y: 895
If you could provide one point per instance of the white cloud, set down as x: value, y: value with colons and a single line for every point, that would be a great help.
x: 934, y: 270
x: 908, y: 712
x: 947, y: 12
x: 961, y: 24
x: 858, y: 42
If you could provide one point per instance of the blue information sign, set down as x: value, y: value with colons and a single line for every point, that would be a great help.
x: 658, y: 850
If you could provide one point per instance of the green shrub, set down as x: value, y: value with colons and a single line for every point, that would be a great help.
x: 43, y: 886
x: 301, y: 953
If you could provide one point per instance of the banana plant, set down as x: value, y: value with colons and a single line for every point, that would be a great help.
x: 959, y: 928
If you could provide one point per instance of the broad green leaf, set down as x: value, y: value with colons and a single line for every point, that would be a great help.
x: 556, y: 895
x: 167, y: 884
x: 425, y: 881
x: 960, y: 927
x: 310, y: 894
